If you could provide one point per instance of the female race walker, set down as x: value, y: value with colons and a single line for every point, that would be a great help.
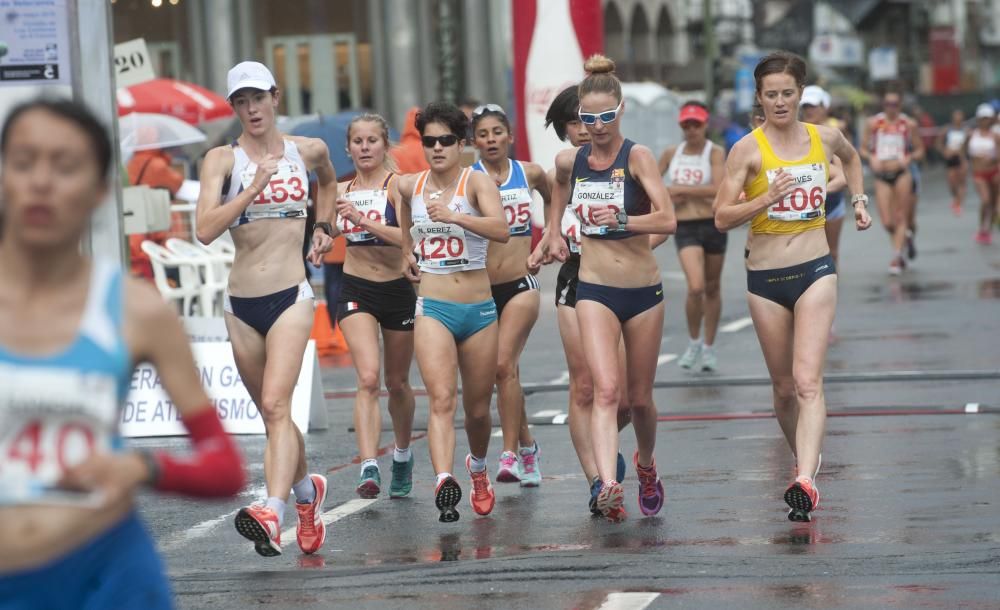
x: 889, y: 143
x: 984, y: 159
x: 448, y: 214
x: 72, y: 330
x: 615, y: 188
x: 951, y: 144
x: 515, y: 294
x: 693, y: 170
x: 562, y: 116
x: 263, y: 181
x: 791, y: 278
x: 376, y: 295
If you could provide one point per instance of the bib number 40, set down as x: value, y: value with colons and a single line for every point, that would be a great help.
x: 64, y: 445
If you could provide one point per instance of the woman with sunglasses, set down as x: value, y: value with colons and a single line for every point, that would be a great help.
x: 515, y: 294
x: 72, y: 330
x: 257, y: 189
x: 448, y: 215
x: 693, y: 170
x: 783, y: 168
x: 889, y: 142
x: 375, y: 296
x: 614, y: 187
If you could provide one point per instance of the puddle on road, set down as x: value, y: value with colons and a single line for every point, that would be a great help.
x: 896, y: 291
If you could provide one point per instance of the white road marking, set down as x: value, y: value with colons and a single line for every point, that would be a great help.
x: 736, y: 325
x: 333, y: 515
x: 972, y: 407
x: 497, y: 433
x: 665, y: 358
x: 628, y: 601
x: 672, y: 275
x: 561, y: 379
x: 548, y: 413
x: 560, y: 419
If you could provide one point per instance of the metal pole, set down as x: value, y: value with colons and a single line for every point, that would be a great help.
x: 94, y: 85
x: 708, y: 24
x: 447, y: 51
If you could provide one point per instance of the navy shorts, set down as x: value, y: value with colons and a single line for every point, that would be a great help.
x: 260, y: 313
x: 784, y: 286
x: 626, y: 303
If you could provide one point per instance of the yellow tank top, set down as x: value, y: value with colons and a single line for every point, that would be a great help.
x: 803, y: 210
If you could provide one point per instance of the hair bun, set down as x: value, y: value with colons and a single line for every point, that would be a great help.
x: 599, y: 64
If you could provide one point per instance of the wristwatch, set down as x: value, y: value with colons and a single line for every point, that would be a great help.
x: 621, y: 218
x: 860, y: 197
x: 327, y: 228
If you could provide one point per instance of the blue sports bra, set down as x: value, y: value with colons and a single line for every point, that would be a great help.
x: 611, y: 187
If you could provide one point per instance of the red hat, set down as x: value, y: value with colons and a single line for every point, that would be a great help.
x: 693, y: 113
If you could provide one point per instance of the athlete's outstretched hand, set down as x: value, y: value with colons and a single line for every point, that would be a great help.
x: 321, y: 244
x: 113, y: 476
x: 554, y: 248
x: 781, y: 186
x: 410, y: 268
x: 862, y: 218
x: 267, y: 168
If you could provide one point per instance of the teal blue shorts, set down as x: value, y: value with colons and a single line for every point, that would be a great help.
x: 462, y: 319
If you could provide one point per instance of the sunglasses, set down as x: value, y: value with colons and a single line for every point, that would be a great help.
x: 446, y: 140
x: 487, y: 108
x: 890, y: 104
x: 608, y: 116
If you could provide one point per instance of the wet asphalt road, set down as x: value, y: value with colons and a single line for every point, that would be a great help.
x: 910, y: 510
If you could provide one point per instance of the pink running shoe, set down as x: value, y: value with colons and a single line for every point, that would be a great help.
x: 507, y: 471
x: 650, y: 487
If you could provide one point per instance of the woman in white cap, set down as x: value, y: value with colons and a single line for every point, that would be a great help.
x: 257, y: 187
x: 983, y: 146
x: 693, y: 172
x: 815, y: 109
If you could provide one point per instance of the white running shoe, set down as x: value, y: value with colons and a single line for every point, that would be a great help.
x: 709, y: 361
x: 690, y: 356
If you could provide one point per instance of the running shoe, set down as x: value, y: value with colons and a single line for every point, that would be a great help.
x: 983, y: 238
x: 896, y: 266
x: 531, y: 470
x: 311, y: 531
x: 370, y: 483
x: 911, y: 246
x: 507, y: 470
x: 650, y: 487
x: 402, y: 478
x: 956, y: 208
x: 803, y: 498
x: 611, y: 501
x: 259, y: 524
x: 595, y: 489
x: 690, y: 356
x: 482, y: 498
x: 620, y: 468
x: 447, y: 495
x: 709, y: 361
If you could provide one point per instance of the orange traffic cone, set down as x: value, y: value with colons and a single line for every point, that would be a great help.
x: 329, y: 341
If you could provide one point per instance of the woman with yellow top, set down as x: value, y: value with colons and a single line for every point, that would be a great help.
x: 783, y: 166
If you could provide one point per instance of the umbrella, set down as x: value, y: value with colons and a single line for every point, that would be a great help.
x: 332, y: 129
x: 186, y: 101
x: 146, y: 131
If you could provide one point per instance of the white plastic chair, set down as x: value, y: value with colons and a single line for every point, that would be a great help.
x: 212, y: 270
x: 187, y: 293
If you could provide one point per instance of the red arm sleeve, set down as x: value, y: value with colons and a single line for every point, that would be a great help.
x: 213, y: 470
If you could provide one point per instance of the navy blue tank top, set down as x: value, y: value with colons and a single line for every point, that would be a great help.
x: 376, y: 206
x: 611, y: 187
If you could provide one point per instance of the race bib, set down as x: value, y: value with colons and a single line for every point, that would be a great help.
x: 440, y: 245
x: 591, y: 196
x: 954, y: 140
x: 50, y: 421
x: 688, y: 171
x: 372, y: 204
x: 807, y: 201
x: 517, y: 209
x: 571, y: 230
x: 890, y: 146
x: 285, y: 195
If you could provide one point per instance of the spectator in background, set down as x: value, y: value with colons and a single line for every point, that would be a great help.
x: 928, y: 131
x: 468, y: 105
x: 152, y: 168
x: 736, y: 130
x: 409, y: 154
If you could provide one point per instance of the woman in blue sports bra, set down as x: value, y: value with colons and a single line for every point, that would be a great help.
x: 614, y: 187
x: 515, y: 292
x: 375, y: 296
x: 448, y: 214
x: 257, y: 188
x: 72, y: 330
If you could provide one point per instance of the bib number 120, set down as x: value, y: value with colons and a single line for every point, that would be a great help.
x: 432, y: 248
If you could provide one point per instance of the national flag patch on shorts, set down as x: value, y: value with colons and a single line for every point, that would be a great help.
x: 352, y: 306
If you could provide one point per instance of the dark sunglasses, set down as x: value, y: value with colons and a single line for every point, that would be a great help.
x: 608, y: 116
x: 487, y: 108
x: 891, y: 104
x: 446, y: 140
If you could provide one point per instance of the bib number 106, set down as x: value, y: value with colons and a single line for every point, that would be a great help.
x: 800, y: 200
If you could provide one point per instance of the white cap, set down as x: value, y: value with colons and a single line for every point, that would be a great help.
x: 249, y: 74
x: 814, y: 95
x: 985, y: 111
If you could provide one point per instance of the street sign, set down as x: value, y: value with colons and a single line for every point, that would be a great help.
x: 34, y: 43
x: 132, y: 63
x: 883, y: 63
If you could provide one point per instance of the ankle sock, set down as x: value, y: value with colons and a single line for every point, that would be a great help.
x: 476, y: 464
x: 401, y: 455
x: 305, y: 491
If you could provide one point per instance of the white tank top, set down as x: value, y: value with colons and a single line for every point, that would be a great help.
x: 954, y: 139
x: 690, y: 170
x: 285, y: 196
x: 983, y: 146
x: 443, y: 247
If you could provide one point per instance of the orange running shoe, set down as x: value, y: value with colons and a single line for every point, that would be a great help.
x: 803, y: 498
x: 311, y: 531
x: 482, y: 498
x: 259, y: 524
x: 611, y: 502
